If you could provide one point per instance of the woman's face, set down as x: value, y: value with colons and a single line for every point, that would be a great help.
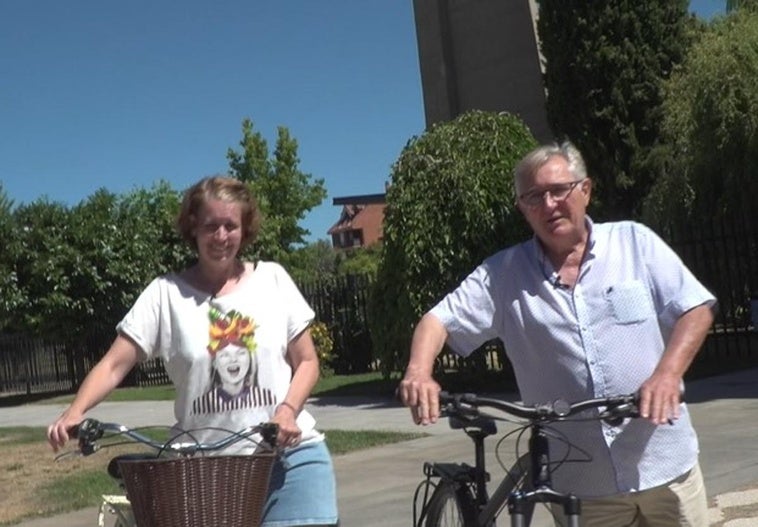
x: 232, y: 364
x: 218, y: 231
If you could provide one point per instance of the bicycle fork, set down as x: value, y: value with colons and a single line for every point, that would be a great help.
x: 521, y: 503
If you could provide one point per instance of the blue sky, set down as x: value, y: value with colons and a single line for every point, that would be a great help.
x: 120, y: 95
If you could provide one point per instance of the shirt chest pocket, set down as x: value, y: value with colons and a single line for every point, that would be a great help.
x: 629, y: 302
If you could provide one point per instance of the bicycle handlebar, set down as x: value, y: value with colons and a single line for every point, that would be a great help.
x: 614, y: 408
x: 90, y: 431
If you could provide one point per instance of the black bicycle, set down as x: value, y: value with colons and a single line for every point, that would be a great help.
x: 177, y: 482
x: 456, y: 494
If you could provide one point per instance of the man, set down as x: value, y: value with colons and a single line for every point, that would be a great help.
x: 586, y: 310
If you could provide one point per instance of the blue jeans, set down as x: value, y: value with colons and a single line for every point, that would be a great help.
x: 302, y: 489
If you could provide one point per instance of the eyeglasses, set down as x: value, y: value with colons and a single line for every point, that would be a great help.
x: 557, y: 192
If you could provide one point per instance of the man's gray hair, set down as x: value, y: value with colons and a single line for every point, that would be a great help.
x: 535, y: 159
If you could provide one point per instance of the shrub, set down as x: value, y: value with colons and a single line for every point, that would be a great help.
x: 322, y: 340
x: 450, y: 204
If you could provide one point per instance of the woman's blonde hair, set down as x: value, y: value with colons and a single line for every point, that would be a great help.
x: 222, y: 188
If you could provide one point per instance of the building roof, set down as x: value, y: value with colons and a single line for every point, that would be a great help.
x: 364, y: 199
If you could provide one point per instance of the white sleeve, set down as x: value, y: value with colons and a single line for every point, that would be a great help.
x: 468, y: 313
x: 299, y: 313
x: 142, y: 322
x: 676, y: 290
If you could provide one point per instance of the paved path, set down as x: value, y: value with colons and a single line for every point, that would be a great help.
x: 376, y: 486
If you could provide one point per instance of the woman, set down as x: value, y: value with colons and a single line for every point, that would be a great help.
x: 226, y: 314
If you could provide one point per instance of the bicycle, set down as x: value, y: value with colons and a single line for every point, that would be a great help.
x: 219, y: 489
x: 460, y: 496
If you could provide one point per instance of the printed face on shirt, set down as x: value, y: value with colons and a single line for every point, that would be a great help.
x: 555, y: 221
x: 233, y: 364
x: 218, y: 231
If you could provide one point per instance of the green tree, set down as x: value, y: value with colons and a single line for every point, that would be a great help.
x: 732, y: 5
x: 6, y: 204
x: 135, y: 241
x: 360, y: 260
x: 284, y: 193
x: 42, y: 267
x: 314, y: 261
x: 604, y: 67
x: 710, y: 120
x: 11, y: 296
x: 451, y: 203
x: 79, y: 269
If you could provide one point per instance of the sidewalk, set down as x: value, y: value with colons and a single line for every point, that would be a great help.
x: 376, y: 486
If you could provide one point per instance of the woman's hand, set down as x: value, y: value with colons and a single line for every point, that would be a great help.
x: 59, y: 432
x: 290, y: 434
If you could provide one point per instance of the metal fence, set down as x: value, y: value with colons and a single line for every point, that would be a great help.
x: 723, y: 254
x: 342, y: 304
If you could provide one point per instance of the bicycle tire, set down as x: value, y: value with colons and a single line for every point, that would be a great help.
x: 451, y: 505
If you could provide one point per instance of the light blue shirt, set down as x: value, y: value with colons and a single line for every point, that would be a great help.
x: 602, y: 337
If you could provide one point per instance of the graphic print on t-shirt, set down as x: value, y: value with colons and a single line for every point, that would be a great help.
x: 234, y: 374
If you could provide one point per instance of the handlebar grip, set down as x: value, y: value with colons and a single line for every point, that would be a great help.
x: 269, y: 433
x: 446, y: 397
x: 88, y: 431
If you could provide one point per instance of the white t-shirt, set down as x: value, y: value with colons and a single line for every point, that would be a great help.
x: 226, y: 355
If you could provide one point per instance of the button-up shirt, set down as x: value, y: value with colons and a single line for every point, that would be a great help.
x: 603, y: 337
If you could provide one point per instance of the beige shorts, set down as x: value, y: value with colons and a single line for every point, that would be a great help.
x: 681, y: 502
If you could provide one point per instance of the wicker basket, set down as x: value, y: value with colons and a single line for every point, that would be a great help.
x: 210, y: 491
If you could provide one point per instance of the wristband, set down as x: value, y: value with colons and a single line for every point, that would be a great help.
x: 288, y: 405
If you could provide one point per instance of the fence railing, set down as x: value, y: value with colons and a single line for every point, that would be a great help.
x: 723, y: 254
x: 341, y: 303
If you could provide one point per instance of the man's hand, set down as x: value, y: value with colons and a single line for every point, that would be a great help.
x: 420, y: 393
x: 660, y: 396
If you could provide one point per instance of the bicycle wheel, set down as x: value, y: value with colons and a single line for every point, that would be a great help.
x: 451, y: 505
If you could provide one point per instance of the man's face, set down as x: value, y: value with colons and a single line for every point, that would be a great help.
x: 554, y: 203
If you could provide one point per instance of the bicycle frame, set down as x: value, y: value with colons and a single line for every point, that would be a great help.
x: 118, y: 505
x: 476, y: 478
x: 534, y: 466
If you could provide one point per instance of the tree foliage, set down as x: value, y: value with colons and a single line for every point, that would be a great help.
x: 78, y: 269
x: 605, y: 63
x: 360, y: 260
x: 450, y: 204
x: 284, y: 193
x: 314, y: 261
x: 711, y: 122
x: 11, y: 296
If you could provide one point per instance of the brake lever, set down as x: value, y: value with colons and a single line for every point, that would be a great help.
x: 625, y: 409
x: 70, y: 453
